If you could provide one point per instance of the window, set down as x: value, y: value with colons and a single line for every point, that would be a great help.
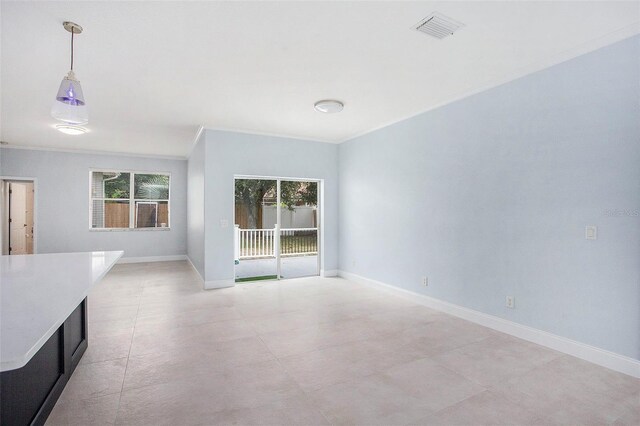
x: 126, y: 200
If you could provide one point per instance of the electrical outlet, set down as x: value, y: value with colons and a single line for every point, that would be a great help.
x: 510, y: 302
x: 425, y: 281
x: 353, y: 263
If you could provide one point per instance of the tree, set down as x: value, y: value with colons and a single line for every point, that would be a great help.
x: 293, y: 193
x: 116, y: 185
x: 151, y: 187
x: 146, y: 186
x: 251, y: 192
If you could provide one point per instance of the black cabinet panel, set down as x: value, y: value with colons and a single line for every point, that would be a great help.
x: 23, y: 391
x: 74, y: 328
x: 28, y: 394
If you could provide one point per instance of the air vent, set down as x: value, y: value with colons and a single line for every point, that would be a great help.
x: 438, y: 25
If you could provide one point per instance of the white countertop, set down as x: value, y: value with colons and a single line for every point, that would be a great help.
x: 37, y: 294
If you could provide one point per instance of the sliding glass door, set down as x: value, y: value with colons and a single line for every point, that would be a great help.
x: 255, y: 229
x: 298, y: 229
x: 276, y: 228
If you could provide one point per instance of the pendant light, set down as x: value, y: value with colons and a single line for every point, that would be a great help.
x: 69, y: 106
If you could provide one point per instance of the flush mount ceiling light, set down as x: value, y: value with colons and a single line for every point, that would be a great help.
x: 69, y: 129
x: 328, y: 106
x: 69, y: 106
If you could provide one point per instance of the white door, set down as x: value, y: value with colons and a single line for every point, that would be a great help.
x: 18, y: 218
x: 29, y: 215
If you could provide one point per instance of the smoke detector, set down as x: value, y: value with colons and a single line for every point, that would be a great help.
x: 439, y: 26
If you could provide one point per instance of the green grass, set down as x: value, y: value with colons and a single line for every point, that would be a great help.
x: 260, y: 278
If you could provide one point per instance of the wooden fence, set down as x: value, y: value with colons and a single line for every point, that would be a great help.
x: 242, y: 216
x: 116, y: 215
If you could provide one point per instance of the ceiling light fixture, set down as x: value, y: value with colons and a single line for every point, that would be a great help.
x: 70, y: 106
x: 69, y: 129
x: 329, y: 106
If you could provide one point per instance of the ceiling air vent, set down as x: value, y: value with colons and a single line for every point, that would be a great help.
x: 438, y: 25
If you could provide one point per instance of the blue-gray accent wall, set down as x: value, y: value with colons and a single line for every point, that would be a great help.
x: 489, y: 196
x: 229, y: 154
x: 62, y: 202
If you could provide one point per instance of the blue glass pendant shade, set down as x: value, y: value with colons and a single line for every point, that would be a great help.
x: 70, y: 91
x: 69, y: 106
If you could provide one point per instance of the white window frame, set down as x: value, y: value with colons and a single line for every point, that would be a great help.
x: 131, y: 200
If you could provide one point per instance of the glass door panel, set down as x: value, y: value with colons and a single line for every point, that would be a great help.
x: 255, y: 241
x: 298, y: 229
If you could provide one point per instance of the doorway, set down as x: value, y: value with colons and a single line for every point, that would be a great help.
x: 17, y: 216
x: 276, y: 228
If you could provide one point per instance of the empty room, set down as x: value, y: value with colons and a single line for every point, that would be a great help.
x: 320, y: 213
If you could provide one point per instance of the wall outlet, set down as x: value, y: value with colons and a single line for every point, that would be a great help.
x: 353, y: 263
x: 425, y: 281
x: 510, y: 302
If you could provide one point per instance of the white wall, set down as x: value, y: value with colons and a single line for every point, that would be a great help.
x: 62, y: 215
x: 195, y: 205
x: 228, y: 154
x: 504, y: 183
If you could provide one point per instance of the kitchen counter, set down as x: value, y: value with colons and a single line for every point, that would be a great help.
x: 43, y: 327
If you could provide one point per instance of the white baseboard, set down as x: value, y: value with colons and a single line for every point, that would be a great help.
x: 210, y: 285
x: 214, y: 284
x: 152, y: 259
x: 329, y: 273
x: 580, y: 350
x: 195, y: 269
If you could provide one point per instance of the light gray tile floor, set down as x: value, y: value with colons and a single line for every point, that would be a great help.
x: 315, y: 351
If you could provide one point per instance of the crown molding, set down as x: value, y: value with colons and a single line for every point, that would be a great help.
x: 268, y: 134
x: 91, y: 152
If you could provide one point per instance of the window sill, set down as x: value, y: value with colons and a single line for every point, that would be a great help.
x: 128, y: 229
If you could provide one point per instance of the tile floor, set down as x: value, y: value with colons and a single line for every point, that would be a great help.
x: 315, y: 351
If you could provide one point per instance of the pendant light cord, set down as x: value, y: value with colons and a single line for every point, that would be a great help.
x: 72, y: 31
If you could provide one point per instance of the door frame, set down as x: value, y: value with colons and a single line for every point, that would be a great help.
x: 320, y: 218
x: 5, y: 207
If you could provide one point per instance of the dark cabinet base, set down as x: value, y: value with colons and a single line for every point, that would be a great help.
x: 28, y: 394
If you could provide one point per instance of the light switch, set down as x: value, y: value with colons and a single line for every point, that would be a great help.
x: 224, y: 223
x: 591, y: 232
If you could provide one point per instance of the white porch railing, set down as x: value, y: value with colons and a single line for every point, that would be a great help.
x: 255, y: 243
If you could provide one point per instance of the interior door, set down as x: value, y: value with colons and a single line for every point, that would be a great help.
x: 18, y: 218
x: 29, y: 216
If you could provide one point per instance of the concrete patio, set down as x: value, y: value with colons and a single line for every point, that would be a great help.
x: 292, y: 267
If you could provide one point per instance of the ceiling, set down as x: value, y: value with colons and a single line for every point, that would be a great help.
x: 154, y: 72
